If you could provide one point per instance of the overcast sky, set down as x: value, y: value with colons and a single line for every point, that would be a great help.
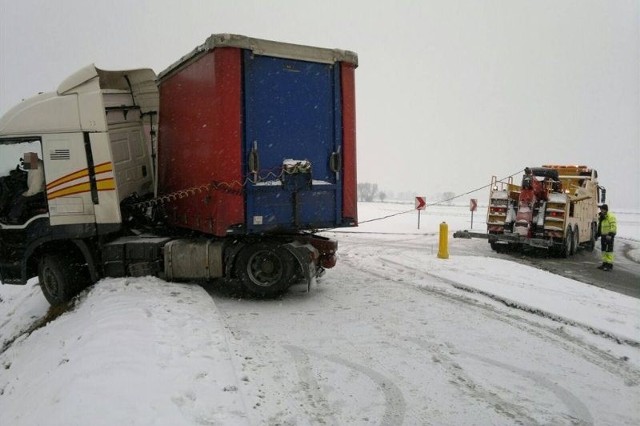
x: 448, y: 92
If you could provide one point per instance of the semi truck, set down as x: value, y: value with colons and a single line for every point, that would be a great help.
x: 554, y: 208
x: 223, y: 166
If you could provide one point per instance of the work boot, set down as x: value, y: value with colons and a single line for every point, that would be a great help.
x: 608, y: 266
x: 603, y: 266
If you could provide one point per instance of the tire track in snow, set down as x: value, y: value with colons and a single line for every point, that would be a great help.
x: 582, y: 415
x: 395, y: 405
x: 626, y: 251
x: 508, y: 408
x: 310, y: 387
x: 470, y: 386
x: 316, y: 407
x: 590, y: 353
x: 517, y: 305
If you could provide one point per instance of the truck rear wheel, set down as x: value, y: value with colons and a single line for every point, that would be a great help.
x: 498, y: 248
x: 265, y: 269
x: 60, y: 279
x: 567, y: 243
x: 575, y: 241
x: 592, y: 239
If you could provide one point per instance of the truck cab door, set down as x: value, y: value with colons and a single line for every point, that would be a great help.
x: 68, y: 184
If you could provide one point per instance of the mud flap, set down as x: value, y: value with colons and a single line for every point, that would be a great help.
x: 307, y: 257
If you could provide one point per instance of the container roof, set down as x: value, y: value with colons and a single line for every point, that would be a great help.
x: 266, y: 48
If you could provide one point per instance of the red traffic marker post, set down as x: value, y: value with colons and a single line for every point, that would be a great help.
x: 473, y: 206
x: 421, y: 204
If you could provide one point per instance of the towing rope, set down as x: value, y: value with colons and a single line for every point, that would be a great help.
x: 432, y: 204
x: 234, y: 187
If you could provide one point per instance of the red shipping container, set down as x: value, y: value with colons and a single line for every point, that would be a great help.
x: 257, y: 136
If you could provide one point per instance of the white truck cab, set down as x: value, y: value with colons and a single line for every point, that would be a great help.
x: 90, y: 135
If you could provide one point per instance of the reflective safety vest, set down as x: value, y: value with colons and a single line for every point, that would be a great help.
x: 608, y: 224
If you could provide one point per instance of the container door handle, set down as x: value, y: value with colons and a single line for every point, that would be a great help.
x: 335, y: 163
x: 254, y: 161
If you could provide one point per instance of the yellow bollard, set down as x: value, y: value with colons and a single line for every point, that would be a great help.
x: 443, y: 247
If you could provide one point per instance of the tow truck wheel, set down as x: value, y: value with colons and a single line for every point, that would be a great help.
x: 565, y: 251
x: 592, y: 240
x: 498, y: 248
x: 575, y: 242
x: 265, y: 269
x: 59, y: 279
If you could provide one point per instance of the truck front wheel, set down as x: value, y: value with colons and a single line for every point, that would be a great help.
x: 60, y: 280
x: 265, y: 269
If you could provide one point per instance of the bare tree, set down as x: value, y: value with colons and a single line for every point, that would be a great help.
x: 367, y: 191
x: 382, y: 196
x: 447, y: 197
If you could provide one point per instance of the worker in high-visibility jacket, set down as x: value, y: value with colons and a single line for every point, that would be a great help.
x: 607, y: 228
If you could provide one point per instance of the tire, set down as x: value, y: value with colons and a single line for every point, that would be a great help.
x: 60, y: 279
x: 567, y: 243
x: 265, y: 269
x: 575, y: 241
x: 5, y: 194
x: 498, y: 248
x: 591, y: 245
x: 515, y: 248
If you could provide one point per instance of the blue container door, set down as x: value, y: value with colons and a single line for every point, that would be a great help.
x: 292, y: 111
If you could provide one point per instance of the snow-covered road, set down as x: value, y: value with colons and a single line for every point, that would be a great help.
x: 384, y: 340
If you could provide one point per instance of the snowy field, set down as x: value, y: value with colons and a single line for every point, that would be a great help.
x: 392, y: 335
